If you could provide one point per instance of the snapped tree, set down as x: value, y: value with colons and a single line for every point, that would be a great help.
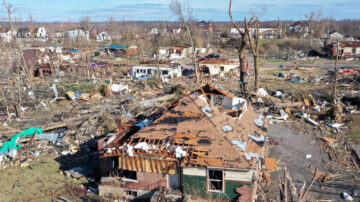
x: 241, y: 49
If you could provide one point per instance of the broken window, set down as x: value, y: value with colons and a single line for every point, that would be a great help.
x: 219, y: 99
x: 115, y: 162
x: 216, y: 180
x: 353, y: 51
x: 164, y: 72
x: 128, y: 175
x: 131, y: 193
x: 205, y: 70
x: 222, y: 68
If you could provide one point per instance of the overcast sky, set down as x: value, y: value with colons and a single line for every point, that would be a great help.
x: 158, y: 10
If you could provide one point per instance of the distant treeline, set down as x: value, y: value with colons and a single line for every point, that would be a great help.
x: 347, y: 27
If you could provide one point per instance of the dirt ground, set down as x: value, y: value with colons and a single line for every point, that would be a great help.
x: 291, y: 153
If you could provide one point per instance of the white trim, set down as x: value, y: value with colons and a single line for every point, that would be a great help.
x: 208, y: 179
x: 128, y: 180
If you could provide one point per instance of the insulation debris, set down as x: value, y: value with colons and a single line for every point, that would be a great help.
x: 241, y: 145
x: 129, y: 150
x: 143, y: 146
x: 227, y: 128
x: 208, y: 111
x: 260, y: 121
x: 249, y: 156
x: 259, y: 138
x: 179, y: 152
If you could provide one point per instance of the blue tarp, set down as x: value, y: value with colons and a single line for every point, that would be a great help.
x: 74, y: 50
x: 115, y: 47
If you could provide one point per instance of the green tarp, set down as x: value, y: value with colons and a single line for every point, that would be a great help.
x: 12, y: 143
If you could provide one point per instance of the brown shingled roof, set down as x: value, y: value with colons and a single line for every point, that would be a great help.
x: 202, y: 137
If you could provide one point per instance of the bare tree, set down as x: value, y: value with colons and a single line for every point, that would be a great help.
x: 111, y: 26
x: 255, y: 46
x: 184, y: 14
x: 241, y: 50
x: 313, y: 18
x: 85, y: 23
x: 10, y: 9
x: 254, y: 50
x: 31, y: 27
x: 336, y: 71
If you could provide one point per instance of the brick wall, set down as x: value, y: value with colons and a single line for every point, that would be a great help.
x: 147, y: 181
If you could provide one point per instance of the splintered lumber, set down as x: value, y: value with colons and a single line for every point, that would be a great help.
x: 289, y: 104
x: 75, y: 121
x: 312, y: 112
x: 270, y: 164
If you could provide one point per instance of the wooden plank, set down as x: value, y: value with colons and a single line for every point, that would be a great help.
x: 161, y: 164
x: 122, y: 162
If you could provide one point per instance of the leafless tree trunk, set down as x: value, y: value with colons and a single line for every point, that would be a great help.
x: 111, y: 27
x: 242, y: 48
x: 185, y: 16
x: 336, y: 72
x: 255, y: 51
x: 31, y: 21
x: 254, y: 47
x: 10, y: 9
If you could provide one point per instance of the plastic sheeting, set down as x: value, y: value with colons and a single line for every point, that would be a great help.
x: 13, y: 142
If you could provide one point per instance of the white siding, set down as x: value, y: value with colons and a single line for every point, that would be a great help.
x: 347, y: 50
x: 235, y: 175
x: 227, y: 68
x: 195, y: 171
x: 358, y: 50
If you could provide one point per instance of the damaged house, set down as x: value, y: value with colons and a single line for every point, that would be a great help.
x: 206, y: 145
x: 144, y: 72
x: 24, y: 32
x: 346, y: 50
x: 77, y: 34
x: 214, y: 66
x: 5, y: 34
x: 174, y: 52
x: 40, y: 33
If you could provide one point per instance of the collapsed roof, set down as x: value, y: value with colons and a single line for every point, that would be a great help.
x: 194, y: 133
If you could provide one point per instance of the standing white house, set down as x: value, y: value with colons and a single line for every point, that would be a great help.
x: 144, y: 72
x: 336, y: 36
x: 154, y: 31
x: 5, y: 34
x: 75, y: 33
x: 103, y: 36
x: 269, y: 33
x: 214, y: 66
x: 40, y: 33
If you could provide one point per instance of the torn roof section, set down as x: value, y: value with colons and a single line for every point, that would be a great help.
x: 196, y: 133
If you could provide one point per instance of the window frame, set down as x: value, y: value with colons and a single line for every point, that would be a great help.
x: 208, y: 180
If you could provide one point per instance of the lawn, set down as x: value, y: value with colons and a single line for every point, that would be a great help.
x: 41, y: 181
